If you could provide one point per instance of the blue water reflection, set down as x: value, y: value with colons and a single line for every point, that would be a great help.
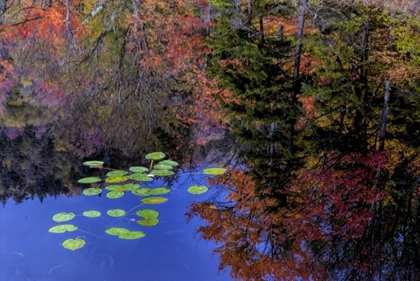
x: 169, y: 251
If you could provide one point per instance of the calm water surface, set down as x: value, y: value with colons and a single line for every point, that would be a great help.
x: 169, y: 251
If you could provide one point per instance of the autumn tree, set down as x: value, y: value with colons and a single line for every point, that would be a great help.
x: 340, y: 204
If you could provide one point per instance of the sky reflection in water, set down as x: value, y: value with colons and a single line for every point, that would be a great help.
x: 169, y: 251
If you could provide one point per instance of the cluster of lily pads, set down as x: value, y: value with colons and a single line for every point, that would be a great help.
x: 118, y: 182
x: 149, y: 217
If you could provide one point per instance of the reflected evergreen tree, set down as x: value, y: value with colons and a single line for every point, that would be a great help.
x: 349, y: 91
x: 253, y: 60
x: 349, y: 209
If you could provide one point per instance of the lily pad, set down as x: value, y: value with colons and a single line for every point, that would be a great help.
x: 92, y: 191
x: 138, y: 169
x: 140, y: 177
x: 161, y: 166
x: 160, y: 191
x: 154, y: 200
x: 147, y: 213
x: 151, y: 221
x: 197, y: 189
x: 169, y: 162
x: 131, y: 186
x: 142, y: 191
x: 63, y: 216
x: 117, y: 173
x: 62, y: 228
x: 89, y: 180
x: 116, y: 213
x: 115, y: 187
x: 74, y: 244
x: 115, y: 194
x: 162, y: 173
x: 115, y: 179
x: 132, y: 235
x: 92, y: 214
x: 214, y: 171
x: 94, y: 164
x: 117, y: 231
x: 155, y: 156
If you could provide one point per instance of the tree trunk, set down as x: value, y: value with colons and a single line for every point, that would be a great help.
x: 384, y: 117
x: 298, y: 53
x: 296, y: 82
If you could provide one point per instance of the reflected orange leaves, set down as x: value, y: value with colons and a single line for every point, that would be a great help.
x: 259, y: 237
x: 255, y: 243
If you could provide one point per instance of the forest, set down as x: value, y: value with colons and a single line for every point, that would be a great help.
x: 318, y: 98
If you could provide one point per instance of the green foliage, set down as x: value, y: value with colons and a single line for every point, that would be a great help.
x: 256, y: 68
x: 115, y: 194
x: 92, y: 191
x: 348, y: 85
x: 92, y: 214
x: 160, y: 190
x: 63, y: 216
x: 62, y: 228
x: 115, y: 183
x: 89, y: 180
x: 116, y: 213
x: 214, y: 171
x: 132, y: 235
x: 147, y: 213
x: 148, y: 221
x: 154, y: 200
x: 197, y: 189
x: 74, y: 244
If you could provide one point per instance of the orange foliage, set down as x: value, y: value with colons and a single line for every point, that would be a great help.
x: 308, y: 105
x: 255, y: 244
x: 45, y: 24
x: 323, y: 204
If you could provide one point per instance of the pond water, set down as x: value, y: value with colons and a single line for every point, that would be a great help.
x: 169, y: 251
x: 38, y: 179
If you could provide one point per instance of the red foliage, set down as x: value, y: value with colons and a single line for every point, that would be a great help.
x: 331, y: 201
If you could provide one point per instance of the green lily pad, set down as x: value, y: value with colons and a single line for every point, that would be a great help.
x: 62, y: 228
x: 131, y: 186
x: 117, y: 173
x: 155, y: 156
x: 161, y: 166
x: 115, y: 194
x: 132, y: 235
x: 169, y: 162
x: 115, y: 179
x: 160, y: 191
x: 154, y: 200
x: 92, y: 214
x: 197, y: 189
x: 93, y: 164
x: 142, y: 191
x: 115, y: 187
x: 63, y: 216
x: 74, y: 244
x: 147, y: 213
x: 214, y: 171
x: 151, y: 221
x: 162, y: 173
x: 89, y: 180
x: 92, y: 191
x: 138, y: 169
x: 117, y: 231
x: 140, y: 177
x: 116, y: 213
